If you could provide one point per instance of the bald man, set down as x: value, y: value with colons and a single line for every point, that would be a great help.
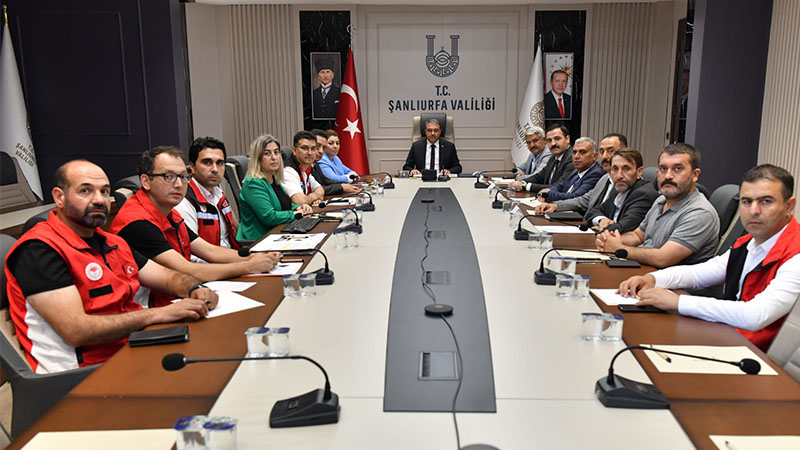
x: 71, y: 285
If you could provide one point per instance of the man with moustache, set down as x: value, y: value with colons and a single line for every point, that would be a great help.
x: 681, y: 227
x: 583, y: 178
x: 624, y: 211
x: 150, y: 225
x: 601, y: 191
x: 557, y: 169
x: 761, y: 272
x: 71, y: 285
x: 540, y: 155
x: 433, y: 153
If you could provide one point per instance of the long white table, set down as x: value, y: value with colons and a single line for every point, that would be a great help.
x: 544, y: 373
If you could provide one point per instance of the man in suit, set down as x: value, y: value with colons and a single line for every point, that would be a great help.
x: 601, y: 191
x: 433, y: 153
x: 583, y: 178
x: 537, y: 160
x: 557, y: 169
x: 557, y: 104
x: 624, y: 211
x: 325, y: 98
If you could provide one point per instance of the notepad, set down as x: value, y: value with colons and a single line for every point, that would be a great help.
x: 103, y: 440
x: 583, y: 256
x: 611, y: 298
x: 560, y: 229
x: 684, y: 364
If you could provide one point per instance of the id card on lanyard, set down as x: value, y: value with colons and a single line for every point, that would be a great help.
x: 305, y: 178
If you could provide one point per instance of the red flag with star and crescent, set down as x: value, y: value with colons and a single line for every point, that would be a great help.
x: 353, y: 151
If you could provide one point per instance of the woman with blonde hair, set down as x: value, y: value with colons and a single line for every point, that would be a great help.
x: 263, y: 203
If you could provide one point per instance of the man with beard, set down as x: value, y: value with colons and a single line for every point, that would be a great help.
x: 681, y: 227
x: 71, y: 285
x: 761, y: 272
x: 601, y: 191
x: 557, y: 169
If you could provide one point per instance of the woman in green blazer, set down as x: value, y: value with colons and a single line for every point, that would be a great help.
x: 263, y: 203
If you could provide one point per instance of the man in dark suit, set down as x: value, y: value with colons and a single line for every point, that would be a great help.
x: 626, y: 210
x: 582, y: 179
x: 557, y: 104
x: 433, y: 153
x: 557, y: 169
x: 325, y: 98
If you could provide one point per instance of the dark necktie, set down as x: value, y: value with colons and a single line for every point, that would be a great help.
x: 325, y: 92
x: 432, y: 162
x: 552, y: 171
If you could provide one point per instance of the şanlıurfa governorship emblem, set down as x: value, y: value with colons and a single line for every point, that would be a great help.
x: 537, y: 114
x: 442, y: 64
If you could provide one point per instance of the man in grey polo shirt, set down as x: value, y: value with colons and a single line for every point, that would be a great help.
x: 682, y: 227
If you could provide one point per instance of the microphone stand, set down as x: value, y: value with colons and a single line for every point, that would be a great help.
x: 483, y: 185
x: 522, y: 235
x: 544, y: 277
x: 324, y: 275
x: 386, y: 185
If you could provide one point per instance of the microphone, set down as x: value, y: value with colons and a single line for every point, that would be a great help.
x: 545, y: 277
x: 386, y: 184
x: 318, y: 407
x: 614, y: 391
x: 324, y: 275
x: 522, y: 235
x: 483, y: 185
x: 368, y: 207
x: 355, y: 227
x: 498, y: 204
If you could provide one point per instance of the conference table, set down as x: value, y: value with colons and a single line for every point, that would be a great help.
x: 544, y: 373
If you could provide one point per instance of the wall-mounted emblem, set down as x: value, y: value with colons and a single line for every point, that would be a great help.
x: 442, y: 64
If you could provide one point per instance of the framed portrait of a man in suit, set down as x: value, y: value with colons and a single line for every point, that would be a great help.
x: 326, y: 82
x: 558, y: 98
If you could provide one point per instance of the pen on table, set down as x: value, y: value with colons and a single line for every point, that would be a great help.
x: 730, y: 445
x: 663, y: 355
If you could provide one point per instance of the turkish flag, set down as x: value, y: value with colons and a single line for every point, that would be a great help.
x: 353, y: 151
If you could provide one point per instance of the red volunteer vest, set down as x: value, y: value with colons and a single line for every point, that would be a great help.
x: 106, y: 285
x: 140, y: 207
x: 787, y: 246
x: 208, y: 216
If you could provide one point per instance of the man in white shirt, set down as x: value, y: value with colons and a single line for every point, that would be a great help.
x: 761, y: 273
x: 298, y: 182
x: 205, y: 210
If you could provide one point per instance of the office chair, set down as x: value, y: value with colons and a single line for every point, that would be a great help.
x: 33, y: 220
x: 650, y: 173
x: 125, y: 188
x: 785, y: 349
x: 34, y: 394
x: 14, y: 190
x: 418, y: 126
x: 241, y: 162
x: 231, y: 185
x: 725, y: 199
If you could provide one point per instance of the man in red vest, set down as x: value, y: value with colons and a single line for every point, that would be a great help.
x: 149, y: 224
x: 205, y: 210
x: 71, y: 285
x: 761, y: 273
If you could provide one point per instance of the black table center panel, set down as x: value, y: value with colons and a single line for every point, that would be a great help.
x: 422, y: 367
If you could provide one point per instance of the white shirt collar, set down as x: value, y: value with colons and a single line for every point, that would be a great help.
x: 212, y: 197
x: 324, y: 86
x: 766, y: 246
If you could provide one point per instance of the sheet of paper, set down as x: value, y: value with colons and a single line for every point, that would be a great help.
x: 342, y: 201
x: 502, y: 181
x: 231, y: 302
x: 562, y: 229
x: 611, y: 298
x: 756, y: 442
x: 231, y: 286
x: 684, y: 364
x: 283, y: 242
x: 530, y: 201
x: 583, y: 256
x: 103, y: 440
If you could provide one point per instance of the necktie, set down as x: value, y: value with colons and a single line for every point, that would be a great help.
x: 552, y: 171
x: 560, y: 107
x: 432, y: 161
x: 574, y: 184
x: 325, y: 94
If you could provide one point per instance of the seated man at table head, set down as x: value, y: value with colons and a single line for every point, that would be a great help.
x: 150, y: 225
x: 681, y: 227
x: 761, y: 272
x: 582, y: 178
x: 330, y: 163
x: 539, y: 156
x: 601, y: 191
x: 205, y: 210
x: 263, y: 203
x: 298, y: 179
x: 71, y: 285
x: 433, y: 152
x: 331, y: 187
x: 557, y: 169
x: 624, y: 211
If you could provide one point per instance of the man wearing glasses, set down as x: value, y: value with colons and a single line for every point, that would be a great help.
x: 149, y: 224
x: 298, y: 182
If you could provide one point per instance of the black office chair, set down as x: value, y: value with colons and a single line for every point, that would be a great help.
x: 33, y: 394
x: 33, y: 220
x: 241, y: 163
x: 725, y: 199
x: 125, y: 189
x: 650, y: 174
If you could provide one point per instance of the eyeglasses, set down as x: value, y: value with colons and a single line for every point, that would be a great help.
x: 171, y: 177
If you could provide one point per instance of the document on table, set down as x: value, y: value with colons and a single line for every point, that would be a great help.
x: 502, y: 181
x: 231, y: 302
x: 756, y: 442
x: 684, y: 364
x: 103, y: 440
x: 231, y: 286
x: 562, y: 229
x: 583, y: 256
x: 283, y: 242
x: 611, y: 298
x: 530, y: 201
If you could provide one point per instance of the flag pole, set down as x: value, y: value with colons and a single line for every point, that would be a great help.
x: 5, y: 15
